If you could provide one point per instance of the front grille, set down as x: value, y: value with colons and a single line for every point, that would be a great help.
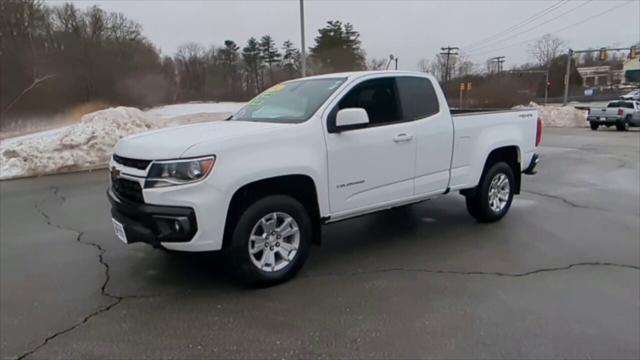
x: 127, y: 189
x: 134, y: 163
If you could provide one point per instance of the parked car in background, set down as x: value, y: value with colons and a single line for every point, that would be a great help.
x: 313, y: 151
x: 633, y: 95
x: 620, y: 113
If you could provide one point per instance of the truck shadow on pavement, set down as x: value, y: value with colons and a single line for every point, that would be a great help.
x: 409, y: 235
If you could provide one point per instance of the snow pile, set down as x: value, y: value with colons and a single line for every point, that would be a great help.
x: 89, y: 143
x: 85, y: 145
x: 559, y: 116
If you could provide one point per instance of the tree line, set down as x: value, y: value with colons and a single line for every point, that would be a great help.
x: 56, y: 57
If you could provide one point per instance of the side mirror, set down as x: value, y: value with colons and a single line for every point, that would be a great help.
x: 351, y: 118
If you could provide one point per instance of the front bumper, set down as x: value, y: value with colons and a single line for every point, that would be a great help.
x: 153, y: 224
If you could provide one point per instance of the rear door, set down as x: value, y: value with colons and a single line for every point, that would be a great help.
x: 433, y: 131
x: 375, y: 164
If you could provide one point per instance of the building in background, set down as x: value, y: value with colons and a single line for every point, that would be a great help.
x: 631, y: 70
x: 600, y: 76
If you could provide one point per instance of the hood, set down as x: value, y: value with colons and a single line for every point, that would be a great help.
x: 171, y: 143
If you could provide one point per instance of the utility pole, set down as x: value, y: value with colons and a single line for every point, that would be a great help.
x: 303, y: 51
x: 499, y: 61
x: 448, y: 52
x: 567, y: 77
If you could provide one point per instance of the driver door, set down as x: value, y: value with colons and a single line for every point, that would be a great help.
x: 375, y: 164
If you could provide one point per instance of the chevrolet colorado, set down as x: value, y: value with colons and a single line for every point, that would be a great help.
x: 312, y: 151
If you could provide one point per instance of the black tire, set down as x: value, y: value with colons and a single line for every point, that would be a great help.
x: 623, y: 125
x: 478, y: 200
x: 594, y: 125
x: 239, y: 248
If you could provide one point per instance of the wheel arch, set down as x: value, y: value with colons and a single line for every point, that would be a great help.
x: 509, y: 154
x: 299, y: 186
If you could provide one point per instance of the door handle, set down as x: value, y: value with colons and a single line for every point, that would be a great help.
x: 402, y: 138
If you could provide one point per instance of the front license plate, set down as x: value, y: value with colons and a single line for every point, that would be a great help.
x: 119, y: 230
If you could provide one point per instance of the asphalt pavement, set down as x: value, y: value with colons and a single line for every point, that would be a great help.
x: 559, y: 277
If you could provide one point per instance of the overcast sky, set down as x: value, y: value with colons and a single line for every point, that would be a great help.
x: 411, y: 30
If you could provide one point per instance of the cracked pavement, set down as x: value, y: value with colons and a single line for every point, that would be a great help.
x: 558, y: 277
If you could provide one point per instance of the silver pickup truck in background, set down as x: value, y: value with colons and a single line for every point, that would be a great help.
x: 621, y: 113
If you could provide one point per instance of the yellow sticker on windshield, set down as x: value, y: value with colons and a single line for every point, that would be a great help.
x: 276, y: 88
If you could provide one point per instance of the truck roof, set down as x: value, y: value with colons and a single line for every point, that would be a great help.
x: 357, y: 74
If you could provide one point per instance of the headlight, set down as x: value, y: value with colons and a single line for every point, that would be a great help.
x: 178, y: 172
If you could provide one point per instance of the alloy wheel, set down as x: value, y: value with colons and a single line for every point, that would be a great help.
x: 274, y: 241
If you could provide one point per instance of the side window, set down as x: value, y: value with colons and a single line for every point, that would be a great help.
x: 418, y: 97
x: 378, y: 97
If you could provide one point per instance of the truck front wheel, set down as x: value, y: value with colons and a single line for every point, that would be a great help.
x: 271, y: 240
x: 492, y: 198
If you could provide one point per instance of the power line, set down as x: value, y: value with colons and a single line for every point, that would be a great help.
x: 558, y: 30
x: 536, y: 27
x: 523, y: 22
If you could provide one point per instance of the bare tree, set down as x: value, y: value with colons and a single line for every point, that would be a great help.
x: 376, y: 64
x: 440, y: 66
x: 32, y: 86
x: 464, y: 66
x: 588, y: 59
x: 546, y: 49
x: 424, y: 65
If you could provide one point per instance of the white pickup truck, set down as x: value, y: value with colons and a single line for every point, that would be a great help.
x: 621, y: 113
x: 312, y: 151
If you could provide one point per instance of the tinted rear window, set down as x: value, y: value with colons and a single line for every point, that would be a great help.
x: 620, y: 104
x: 418, y: 97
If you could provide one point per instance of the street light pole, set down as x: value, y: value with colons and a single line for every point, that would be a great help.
x: 546, y: 86
x: 303, y: 51
x: 567, y: 77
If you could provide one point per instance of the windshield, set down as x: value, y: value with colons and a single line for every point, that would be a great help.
x: 290, y: 102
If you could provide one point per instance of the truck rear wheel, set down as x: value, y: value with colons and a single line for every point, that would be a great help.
x: 492, y: 197
x: 622, y: 125
x: 594, y: 125
x: 271, y: 240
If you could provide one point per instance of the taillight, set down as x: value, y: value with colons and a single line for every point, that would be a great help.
x: 620, y: 112
x: 539, y: 132
x: 589, y: 111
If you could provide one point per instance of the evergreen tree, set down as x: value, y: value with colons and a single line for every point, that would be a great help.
x: 252, y: 61
x: 290, y: 59
x: 228, y: 56
x: 557, y: 69
x: 269, y: 54
x: 337, y: 48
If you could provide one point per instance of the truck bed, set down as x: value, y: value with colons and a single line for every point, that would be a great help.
x: 478, y: 130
